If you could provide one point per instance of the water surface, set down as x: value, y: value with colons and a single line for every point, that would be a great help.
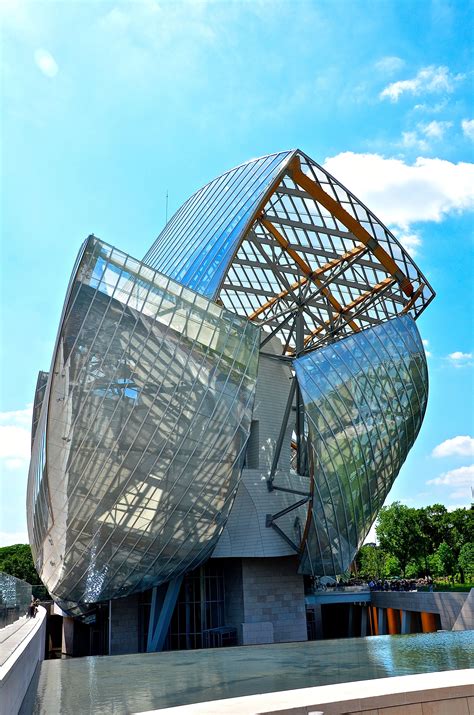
x: 132, y: 683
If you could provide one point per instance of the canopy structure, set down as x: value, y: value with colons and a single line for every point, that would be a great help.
x: 141, y: 427
x: 279, y: 236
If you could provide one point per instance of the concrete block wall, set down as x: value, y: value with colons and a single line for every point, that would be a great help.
x: 273, y: 593
x: 124, y: 633
x: 447, y: 605
x: 234, y: 597
x: 465, y: 620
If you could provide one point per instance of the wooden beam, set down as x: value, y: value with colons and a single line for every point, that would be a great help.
x: 353, y: 304
x: 318, y: 272
x: 306, y: 269
x: 340, y: 213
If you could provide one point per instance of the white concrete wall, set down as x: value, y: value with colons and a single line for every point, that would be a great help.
x: 16, y: 673
x: 446, y: 693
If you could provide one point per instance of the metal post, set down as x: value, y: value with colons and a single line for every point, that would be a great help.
x: 300, y: 441
x: 281, y: 436
x: 110, y: 626
x: 363, y: 622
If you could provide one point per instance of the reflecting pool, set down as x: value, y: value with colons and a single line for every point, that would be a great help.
x: 134, y: 683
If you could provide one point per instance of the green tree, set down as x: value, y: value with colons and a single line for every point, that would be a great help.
x: 466, y: 559
x: 434, y: 530
x: 17, y: 561
x: 448, y: 559
x: 399, y: 533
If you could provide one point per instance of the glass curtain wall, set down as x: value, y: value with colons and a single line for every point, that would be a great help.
x: 141, y: 438
x: 365, y: 398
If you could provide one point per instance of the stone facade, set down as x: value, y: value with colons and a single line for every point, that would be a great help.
x: 265, y: 600
x: 124, y: 633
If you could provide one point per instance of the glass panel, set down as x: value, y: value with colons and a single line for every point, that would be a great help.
x: 198, y: 243
x: 365, y: 398
x: 139, y: 447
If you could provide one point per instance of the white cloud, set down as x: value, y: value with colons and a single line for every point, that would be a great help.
x: 419, y: 138
x: 434, y: 129
x: 429, y: 79
x: 425, y: 341
x: 389, y: 64
x: 462, y: 445
x: 46, y: 63
x: 461, y: 479
x: 431, y: 108
x: 401, y: 193
x: 15, y: 437
x: 468, y: 128
x: 460, y: 359
x: 8, y: 538
x: 411, y: 140
x: 460, y: 356
x: 409, y: 240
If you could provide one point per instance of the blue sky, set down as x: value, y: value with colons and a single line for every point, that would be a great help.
x: 106, y: 106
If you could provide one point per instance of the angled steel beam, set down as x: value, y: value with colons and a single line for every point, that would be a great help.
x: 306, y: 269
x: 340, y: 213
x: 281, y: 436
x: 368, y: 294
x: 284, y: 536
x: 362, y: 298
x: 318, y: 272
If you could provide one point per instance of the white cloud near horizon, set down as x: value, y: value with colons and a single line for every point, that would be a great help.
x: 46, y: 63
x: 400, y: 193
x: 462, y: 445
x: 9, y: 538
x: 429, y: 79
x: 467, y: 126
x: 460, y: 479
x: 15, y: 437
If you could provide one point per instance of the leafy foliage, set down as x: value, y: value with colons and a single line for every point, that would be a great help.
x: 399, y: 533
x: 17, y: 561
x: 466, y: 559
x: 420, y: 542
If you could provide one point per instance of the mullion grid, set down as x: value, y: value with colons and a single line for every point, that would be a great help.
x: 210, y: 447
x: 182, y: 497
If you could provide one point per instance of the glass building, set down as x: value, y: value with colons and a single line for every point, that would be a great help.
x: 248, y: 390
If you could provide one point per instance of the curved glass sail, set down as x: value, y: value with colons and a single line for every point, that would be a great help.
x: 364, y: 397
x: 198, y: 243
x: 140, y: 442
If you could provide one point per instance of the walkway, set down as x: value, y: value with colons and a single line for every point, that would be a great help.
x: 11, y: 636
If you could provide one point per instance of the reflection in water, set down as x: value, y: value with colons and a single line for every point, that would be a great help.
x: 134, y: 683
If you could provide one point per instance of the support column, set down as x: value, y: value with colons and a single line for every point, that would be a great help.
x: 380, y: 622
x: 428, y: 622
x: 163, y: 602
x: 350, y: 622
x: 405, y: 622
x: 363, y: 621
x: 392, y: 621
